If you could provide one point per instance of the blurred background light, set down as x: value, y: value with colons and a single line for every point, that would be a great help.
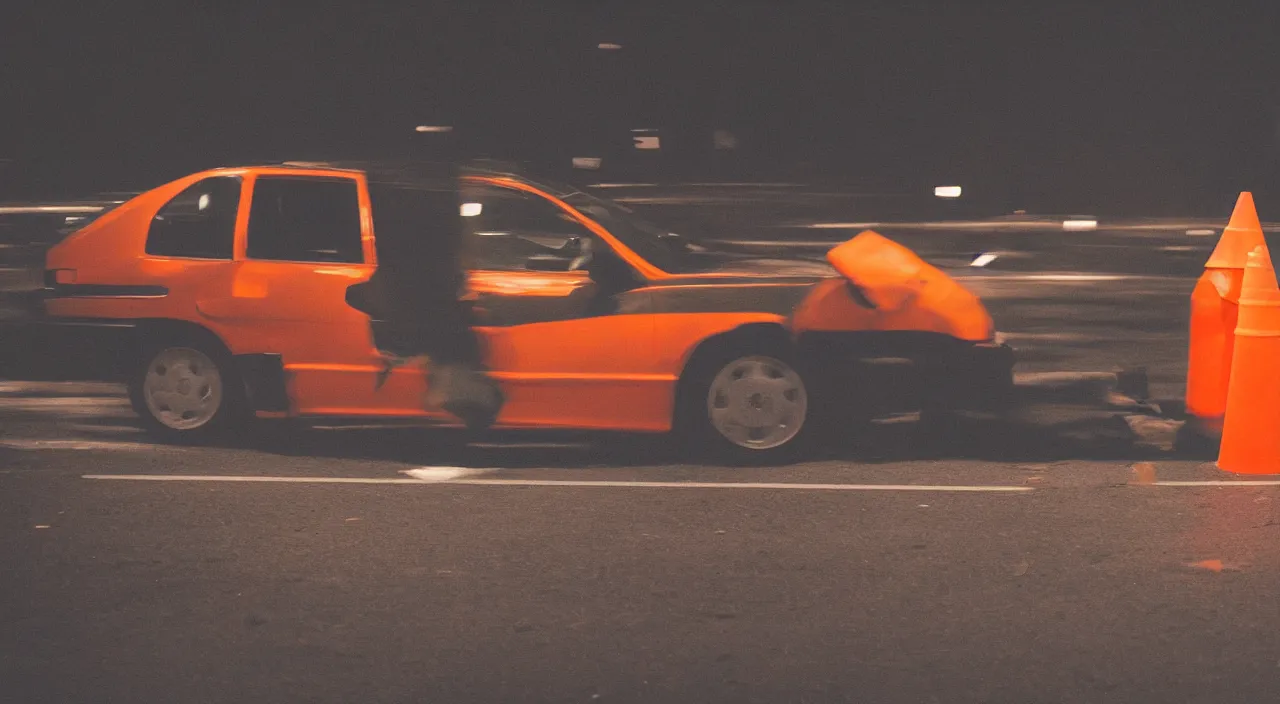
x: 1079, y: 224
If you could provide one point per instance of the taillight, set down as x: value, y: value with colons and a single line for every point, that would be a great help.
x: 55, y: 277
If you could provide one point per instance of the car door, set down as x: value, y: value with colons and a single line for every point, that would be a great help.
x: 554, y: 307
x: 306, y: 241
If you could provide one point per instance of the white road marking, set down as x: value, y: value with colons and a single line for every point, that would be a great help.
x: 266, y: 480
x: 373, y: 426
x: 530, y: 445
x: 440, y: 474
x: 1242, y: 482
x: 561, y: 483
x: 742, y: 485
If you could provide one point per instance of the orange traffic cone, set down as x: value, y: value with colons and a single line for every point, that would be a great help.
x: 1250, y: 441
x: 1213, y: 319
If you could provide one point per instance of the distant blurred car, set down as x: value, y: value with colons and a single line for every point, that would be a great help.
x: 230, y: 287
x: 1065, y: 222
x: 27, y: 231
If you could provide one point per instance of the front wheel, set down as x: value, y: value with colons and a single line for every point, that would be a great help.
x: 186, y: 392
x: 748, y: 408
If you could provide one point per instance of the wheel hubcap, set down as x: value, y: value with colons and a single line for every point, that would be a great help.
x: 757, y: 402
x: 182, y: 388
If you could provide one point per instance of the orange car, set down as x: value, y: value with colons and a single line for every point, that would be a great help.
x: 231, y: 286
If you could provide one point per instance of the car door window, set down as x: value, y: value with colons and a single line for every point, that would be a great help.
x: 305, y: 220
x: 506, y: 227
x: 199, y: 222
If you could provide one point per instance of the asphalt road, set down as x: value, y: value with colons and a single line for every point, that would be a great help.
x: 592, y: 575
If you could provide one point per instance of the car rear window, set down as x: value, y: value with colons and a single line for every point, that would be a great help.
x: 199, y: 222
x: 305, y: 220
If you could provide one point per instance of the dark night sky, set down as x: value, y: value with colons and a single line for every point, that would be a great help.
x: 1156, y: 108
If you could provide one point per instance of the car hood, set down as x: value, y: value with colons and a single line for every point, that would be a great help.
x: 892, y: 290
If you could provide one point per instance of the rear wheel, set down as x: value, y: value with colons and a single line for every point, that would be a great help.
x: 187, y: 391
x: 748, y: 407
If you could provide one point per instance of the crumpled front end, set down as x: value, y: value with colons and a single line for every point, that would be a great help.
x: 892, y: 305
x: 888, y: 287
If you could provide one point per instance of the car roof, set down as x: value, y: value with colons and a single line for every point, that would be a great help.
x: 486, y: 168
x: 415, y: 172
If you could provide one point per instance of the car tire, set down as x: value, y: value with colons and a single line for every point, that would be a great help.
x: 186, y: 391
x: 747, y: 406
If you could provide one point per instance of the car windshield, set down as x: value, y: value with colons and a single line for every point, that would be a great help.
x: 660, y: 247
